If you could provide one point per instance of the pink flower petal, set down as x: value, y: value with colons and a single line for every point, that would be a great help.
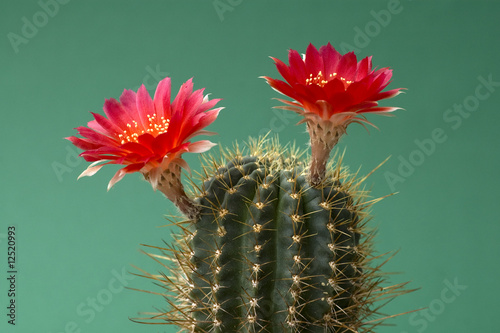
x: 208, y: 104
x: 91, y: 170
x: 95, y: 137
x: 128, y: 99
x: 192, y: 104
x: 185, y: 90
x: 115, y: 113
x: 162, y: 98
x: 108, y: 126
x: 122, y: 172
x: 116, y: 178
x: 200, y: 146
x: 380, y: 109
x: 202, y: 132
x: 145, y: 107
x: 82, y: 143
x: 182, y: 163
x: 196, y: 124
x: 93, y: 124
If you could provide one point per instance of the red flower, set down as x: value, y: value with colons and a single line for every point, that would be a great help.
x: 331, y: 91
x: 147, y: 135
x: 331, y: 86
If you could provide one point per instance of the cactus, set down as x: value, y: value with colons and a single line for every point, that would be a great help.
x: 271, y: 240
x: 270, y: 253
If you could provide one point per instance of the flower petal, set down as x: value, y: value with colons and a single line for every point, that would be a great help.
x: 185, y: 90
x: 91, y: 170
x: 182, y: 163
x: 284, y: 70
x: 347, y: 66
x: 208, y: 104
x: 281, y: 87
x: 384, y: 109
x: 297, y: 66
x: 145, y: 106
x: 115, y: 113
x: 146, y: 140
x: 122, y: 172
x: 82, y: 143
x: 333, y: 87
x: 363, y: 68
x: 192, y: 104
x: 200, y: 146
x: 162, y: 98
x: 137, y: 148
x: 331, y: 59
x: 387, y: 94
x: 108, y: 126
x: 95, y: 137
x: 202, y: 132
x: 314, y: 62
x: 128, y: 99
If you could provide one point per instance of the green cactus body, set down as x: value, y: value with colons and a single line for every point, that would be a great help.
x: 270, y: 253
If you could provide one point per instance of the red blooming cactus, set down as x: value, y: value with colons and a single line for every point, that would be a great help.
x: 149, y: 136
x: 331, y: 91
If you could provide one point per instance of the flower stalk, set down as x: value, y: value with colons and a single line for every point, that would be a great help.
x: 171, y: 186
x: 322, y: 142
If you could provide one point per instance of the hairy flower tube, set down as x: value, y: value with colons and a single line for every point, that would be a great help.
x: 149, y: 135
x: 330, y: 91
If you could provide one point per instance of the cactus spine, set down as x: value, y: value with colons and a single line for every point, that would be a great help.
x: 270, y: 253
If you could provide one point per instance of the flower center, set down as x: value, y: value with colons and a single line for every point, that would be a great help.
x: 319, y: 79
x: 155, y: 127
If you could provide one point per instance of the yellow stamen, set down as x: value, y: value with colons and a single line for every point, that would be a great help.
x: 319, y: 79
x: 155, y: 127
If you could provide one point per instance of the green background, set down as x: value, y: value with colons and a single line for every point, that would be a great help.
x: 75, y: 237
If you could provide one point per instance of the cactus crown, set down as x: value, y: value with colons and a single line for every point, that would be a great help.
x: 270, y: 253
